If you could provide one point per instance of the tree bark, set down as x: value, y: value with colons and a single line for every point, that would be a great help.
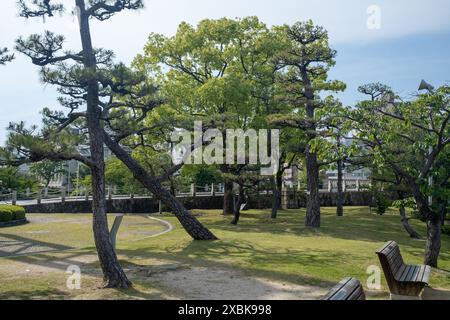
x: 277, y: 185
x: 405, y: 222
x: 275, y: 198
x: 433, y: 241
x: 192, y: 226
x: 433, y: 221
x: 228, y: 198
x: 313, y: 200
x: 113, y: 274
x: 340, y: 191
x: 312, y: 165
x: 237, y: 207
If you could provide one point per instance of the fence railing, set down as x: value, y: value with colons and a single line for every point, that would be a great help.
x: 28, y: 197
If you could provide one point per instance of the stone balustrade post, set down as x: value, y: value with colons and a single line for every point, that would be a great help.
x: 14, y: 198
x: 63, y: 194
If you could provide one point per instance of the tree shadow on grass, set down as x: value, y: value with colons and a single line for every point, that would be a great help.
x: 198, y: 253
x: 355, y: 225
x: 14, y: 245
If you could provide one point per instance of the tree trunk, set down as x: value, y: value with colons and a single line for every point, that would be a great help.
x: 275, y: 199
x: 113, y: 274
x: 433, y: 221
x: 405, y: 222
x: 340, y: 191
x: 433, y: 241
x: 313, y: 200
x: 228, y: 197
x: 277, y: 185
x: 237, y: 207
x: 192, y: 226
x: 312, y: 165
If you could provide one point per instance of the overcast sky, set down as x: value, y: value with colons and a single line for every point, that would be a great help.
x: 412, y: 43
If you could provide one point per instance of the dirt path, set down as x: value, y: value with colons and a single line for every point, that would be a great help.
x: 218, y: 283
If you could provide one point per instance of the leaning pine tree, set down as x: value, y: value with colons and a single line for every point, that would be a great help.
x: 85, y: 78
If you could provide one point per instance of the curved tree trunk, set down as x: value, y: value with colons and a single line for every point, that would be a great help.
x: 433, y: 221
x: 433, y: 241
x: 340, y: 191
x: 113, y: 274
x: 192, y: 226
x: 228, y: 198
x: 313, y: 200
x: 405, y: 222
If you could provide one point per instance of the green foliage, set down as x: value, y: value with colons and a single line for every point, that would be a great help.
x: 382, y: 203
x: 6, y: 216
x: 201, y: 174
x: 10, y: 212
x: 405, y: 203
x: 380, y: 198
x: 46, y: 170
x: 12, y: 178
x: 396, y: 136
x: 117, y: 174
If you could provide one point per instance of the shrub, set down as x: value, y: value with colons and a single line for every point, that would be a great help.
x: 382, y: 203
x: 9, y: 212
x: 6, y: 216
x: 18, y: 212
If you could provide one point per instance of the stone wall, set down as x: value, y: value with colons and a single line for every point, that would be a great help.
x: 147, y: 205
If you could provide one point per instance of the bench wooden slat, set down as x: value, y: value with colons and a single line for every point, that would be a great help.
x: 384, y: 250
x: 402, y: 279
x: 426, y: 275
x: 396, y: 264
x: 415, y: 275
x: 401, y: 272
x: 357, y: 294
x: 333, y: 291
x: 421, y: 273
x: 347, y: 289
x: 411, y: 274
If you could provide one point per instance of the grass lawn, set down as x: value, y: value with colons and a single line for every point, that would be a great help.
x: 282, y: 251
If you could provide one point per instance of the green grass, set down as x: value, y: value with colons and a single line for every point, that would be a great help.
x: 285, y: 249
x: 280, y: 250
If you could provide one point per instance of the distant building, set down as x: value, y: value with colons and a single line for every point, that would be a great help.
x: 352, y: 180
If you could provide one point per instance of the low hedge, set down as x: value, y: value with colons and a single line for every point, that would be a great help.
x: 9, y: 213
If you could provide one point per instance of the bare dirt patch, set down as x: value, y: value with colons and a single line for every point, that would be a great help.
x: 214, y: 283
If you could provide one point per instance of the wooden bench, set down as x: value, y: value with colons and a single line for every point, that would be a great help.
x: 402, y: 279
x: 347, y: 289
